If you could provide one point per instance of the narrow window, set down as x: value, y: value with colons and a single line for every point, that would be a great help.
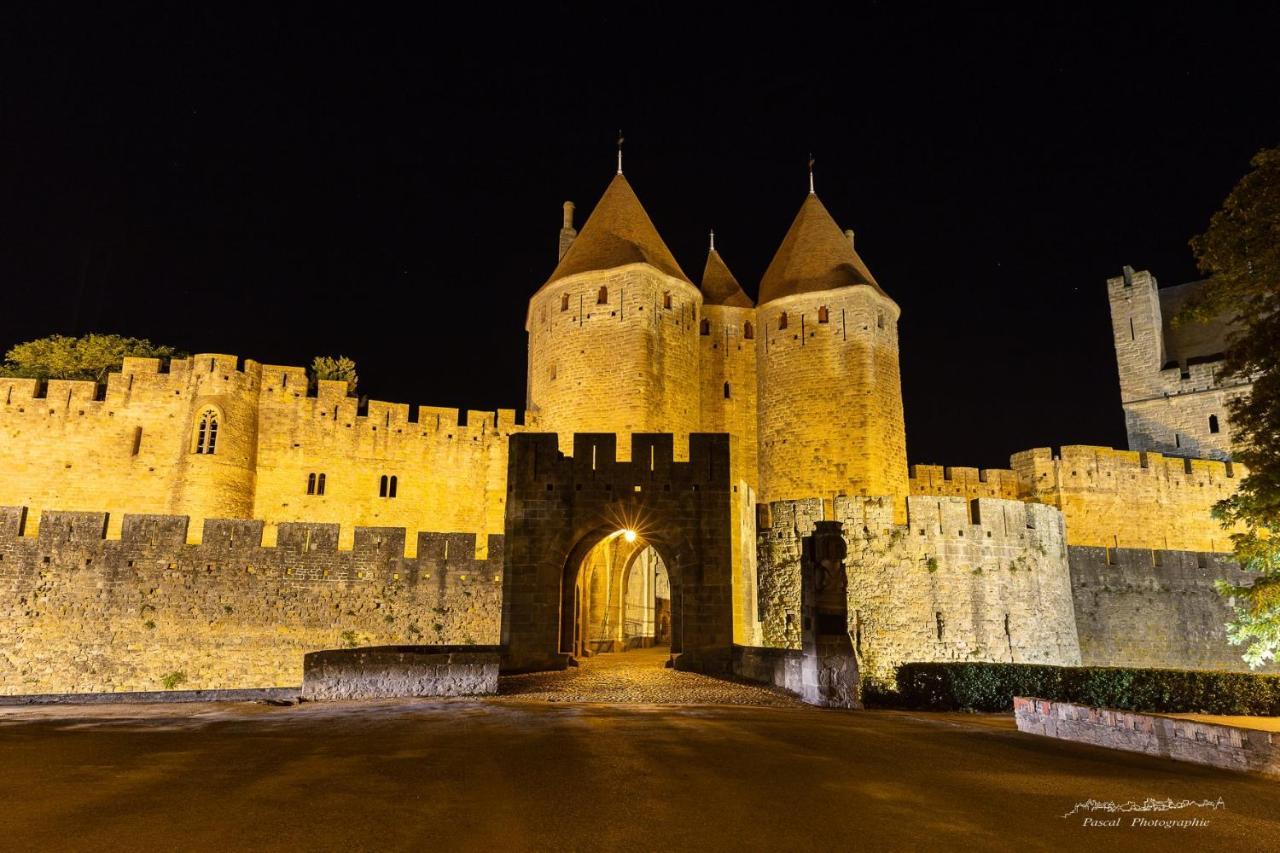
x: 553, y: 372
x: 391, y: 493
x: 705, y: 327
x: 823, y: 315
x: 137, y: 440
x: 382, y: 486
x: 1213, y: 424
x: 320, y: 485
x: 937, y: 618
x: 666, y: 300
x: 602, y: 298
x: 207, y: 432
x: 311, y: 484
x: 748, y: 332
x: 1133, y: 335
x: 880, y: 320
x: 782, y: 321
x: 1177, y: 439
x: 726, y: 390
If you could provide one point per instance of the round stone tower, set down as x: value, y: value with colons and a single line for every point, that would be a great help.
x: 613, y: 334
x: 831, y: 419
x: 728, y: 363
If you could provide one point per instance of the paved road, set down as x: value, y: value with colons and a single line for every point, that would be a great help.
x: 510, y: 774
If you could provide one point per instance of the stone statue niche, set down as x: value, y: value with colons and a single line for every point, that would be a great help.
x: 830, y: 668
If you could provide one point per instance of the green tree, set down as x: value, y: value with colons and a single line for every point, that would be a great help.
x: 341, y: 369
x: 1240, y: 252
x: 88, y: 357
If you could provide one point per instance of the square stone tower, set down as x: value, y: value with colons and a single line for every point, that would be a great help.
x: 1174, y: 399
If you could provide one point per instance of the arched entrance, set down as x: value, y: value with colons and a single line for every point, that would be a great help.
x: 560, y: 509
x: 621, y: 597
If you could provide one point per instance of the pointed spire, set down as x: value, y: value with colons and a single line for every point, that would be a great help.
x: 620, y: 141
x: 618, y: 232
x: 719, y: 287
x: 811, y: 192
x: 815, y: 255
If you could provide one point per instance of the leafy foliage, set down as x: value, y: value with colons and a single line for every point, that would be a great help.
x: 170, y: 680
x: 1240, y: 252
x: 341, y: 369
x: 89, y: 357
x: 992, y: 686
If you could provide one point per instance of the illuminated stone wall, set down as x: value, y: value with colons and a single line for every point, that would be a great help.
x: 626, y: 365
x: 728, y: 393
x: 964, y: 482
x: 831, y: 419
x: 1126, y: 499
x: 80, y: 612
x: 1169, y: 398
x: 130, y: 449
x: 983, y: 580
x: 1142, y: 607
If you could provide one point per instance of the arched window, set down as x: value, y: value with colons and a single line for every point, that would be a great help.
x: 1213, y: 423
x: 666, y: 300
x: 311, y: 484
x: 705, y: 327
x: 824, y: 315
x: 207, y: 432
x: 748, y: 332
x: 320, y: 485
x: 726, y: 390
x: 382, y: 486
x: 564, y: 302
x: 602, y: 298
x: 782, y: 321
x: 391, y: 493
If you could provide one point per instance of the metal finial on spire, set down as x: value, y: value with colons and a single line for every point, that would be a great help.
x: 811, y: 173
x: 713, y: 239
x: 620, y: 141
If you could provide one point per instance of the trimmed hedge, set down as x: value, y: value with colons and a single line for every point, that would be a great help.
x: 992, y: 686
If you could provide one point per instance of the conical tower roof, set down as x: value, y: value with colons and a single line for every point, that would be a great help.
x: 815, y: 255
x: 719, y: 287
x: 618, y: 232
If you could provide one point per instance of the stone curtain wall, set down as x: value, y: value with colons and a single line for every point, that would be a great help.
x: 80, y: 613
x: 1144, y: 608
x: 129, y: 448
x: 964, y: 482
x: 729, y: 359
x: 1126, y: 499
x: 983, y: 580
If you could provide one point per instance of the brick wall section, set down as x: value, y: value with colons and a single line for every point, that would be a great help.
x: 994, y: 572
x: 1228, y: 747
x: 831, y: 420
x: 629, y: 365
x: 1125, y: 499
x: 1145, y: 608
x: 132, y: 451
x: 1166, y: 409
x: 82, y: 613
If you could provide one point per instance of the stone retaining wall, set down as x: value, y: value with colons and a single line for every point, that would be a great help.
x: 1229, y: 747
x: 386, y: 672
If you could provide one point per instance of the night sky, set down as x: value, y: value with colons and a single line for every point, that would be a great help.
x: 286, y: 183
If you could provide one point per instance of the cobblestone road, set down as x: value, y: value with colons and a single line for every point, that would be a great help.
x: 637, y: 677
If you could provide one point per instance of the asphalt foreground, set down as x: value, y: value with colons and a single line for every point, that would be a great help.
x: 537, y: 769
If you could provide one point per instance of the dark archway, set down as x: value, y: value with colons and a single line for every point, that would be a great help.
x: 560, y: 507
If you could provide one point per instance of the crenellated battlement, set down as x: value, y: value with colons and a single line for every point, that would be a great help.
x: 1130, y: 499
x: 963, y: 482
x: 237, y: 538
x: 594, y: 461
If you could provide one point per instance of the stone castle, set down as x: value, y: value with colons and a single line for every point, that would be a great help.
x: 215, y: 517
